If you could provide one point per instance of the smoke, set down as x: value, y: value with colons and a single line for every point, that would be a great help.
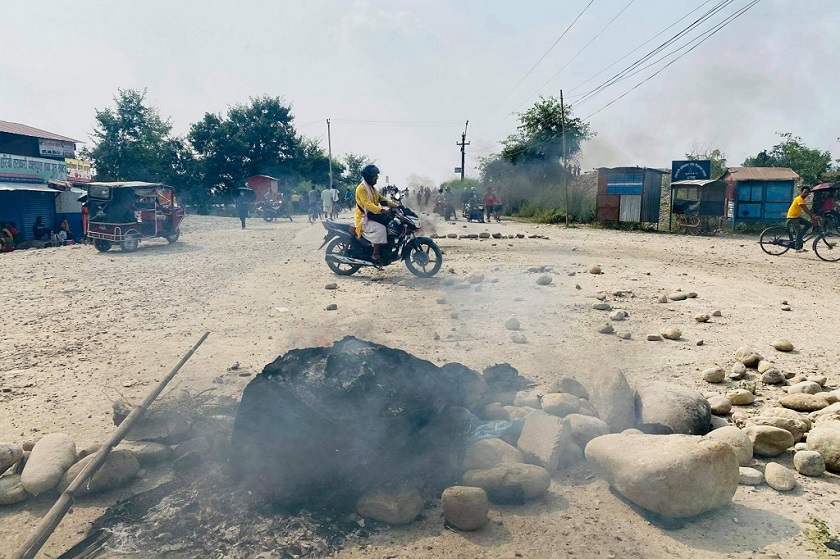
x: 415, y: 181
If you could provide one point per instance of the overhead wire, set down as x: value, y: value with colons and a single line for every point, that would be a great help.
x: 720, y: 26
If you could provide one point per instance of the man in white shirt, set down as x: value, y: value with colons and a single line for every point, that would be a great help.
x: 327, y: 203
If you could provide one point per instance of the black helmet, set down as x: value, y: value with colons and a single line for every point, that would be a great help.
x: 368, y: 171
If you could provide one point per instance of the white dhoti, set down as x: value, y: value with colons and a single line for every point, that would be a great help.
x: 374, y: 232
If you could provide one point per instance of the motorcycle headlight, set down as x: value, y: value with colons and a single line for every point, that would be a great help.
x: 414, y: 221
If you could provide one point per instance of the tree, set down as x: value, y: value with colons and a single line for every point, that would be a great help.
x: 132, y: 142
x: 353, y: 164
x: 810, y: 164
x: 715, y: 156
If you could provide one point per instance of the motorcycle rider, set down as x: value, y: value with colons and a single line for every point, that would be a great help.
x: 371, y: 218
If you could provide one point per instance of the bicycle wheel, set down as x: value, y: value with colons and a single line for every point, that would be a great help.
x: 776, y: 240
x: 827, y: 247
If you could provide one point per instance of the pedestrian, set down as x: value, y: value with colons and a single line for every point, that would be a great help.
x: 497, y: 205
x: 242, y: 206
x: 327, y: 203
x: 295, y: 202
x: 426, y: 196
x: 314, y: 199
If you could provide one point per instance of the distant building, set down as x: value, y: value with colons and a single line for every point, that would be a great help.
x: 758, y: 194
x: 30, y: 159
x: 629, y: 194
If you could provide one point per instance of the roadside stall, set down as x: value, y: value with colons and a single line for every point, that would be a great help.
x: 698, y: 206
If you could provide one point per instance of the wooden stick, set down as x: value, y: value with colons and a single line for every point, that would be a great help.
x: 48, y: 524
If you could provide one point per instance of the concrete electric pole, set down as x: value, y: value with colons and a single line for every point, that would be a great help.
x: 329, y: 147
x: 463, y: 143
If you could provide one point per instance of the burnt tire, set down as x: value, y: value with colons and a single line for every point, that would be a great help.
x: 423, y: 258
x: 338, y: 247
x: 102, y: 245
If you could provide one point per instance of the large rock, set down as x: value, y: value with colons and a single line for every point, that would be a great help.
x: 789, y: 414
x: 672, y: 475
x: 543, y: 440
x: 586, y: 428
x: 391, y: 507
x: 803, y: 402
x: 510, y: 483
x: 11, y: 490
x: 740, y: 397
x: 119, y: 468
x: 465, y: 508
x: 825, y: 439
x: 560, y: 405
x: 162, y: 426
x: 569, y: 385
x: 720, y: 405
x: 51, y: 456
x: 665, y: 408
x: 809, y: 463
x: 9, y: 455
x: 748, y: 356
x: 613, y: 398
x: 488, y: 453
x: 769, y: 441
x: 778, y: 477
x: 331, y: 423
x: 795, y: 427
x: 750, y: 476
x: 739, y: 441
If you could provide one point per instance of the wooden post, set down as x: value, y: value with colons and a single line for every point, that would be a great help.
x: 48, y: 524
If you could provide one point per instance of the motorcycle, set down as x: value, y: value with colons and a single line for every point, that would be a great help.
x: 346, y: 254
x: 445, y: 208
x: 270, y: 211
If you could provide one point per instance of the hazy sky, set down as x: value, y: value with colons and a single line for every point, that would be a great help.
x: 411, y: 73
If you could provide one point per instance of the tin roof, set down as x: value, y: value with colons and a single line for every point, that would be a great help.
x: 697, y: 182
x: 761, y: 173
x: 34, y: 187
x: 24, y: 130
x: 127, y: 184
x: 653, y: 169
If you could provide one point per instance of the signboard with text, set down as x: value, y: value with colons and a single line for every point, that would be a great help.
x: 17, y: 168
x: 78, y: 170
x: 56, y: 148
x: 691, y: 170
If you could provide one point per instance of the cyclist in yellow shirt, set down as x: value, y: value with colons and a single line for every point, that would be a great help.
x: 796, y: 222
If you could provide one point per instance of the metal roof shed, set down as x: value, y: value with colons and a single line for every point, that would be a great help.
x: 758, y: 194
x: 629, y: 194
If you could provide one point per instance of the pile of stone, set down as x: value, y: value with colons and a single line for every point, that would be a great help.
x: 52, y: 462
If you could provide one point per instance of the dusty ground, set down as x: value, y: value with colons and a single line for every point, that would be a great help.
x: 82, y: 328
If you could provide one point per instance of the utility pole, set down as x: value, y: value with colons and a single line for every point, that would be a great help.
x: 565, y: 170
x: 329, y: 147
x: 463, y: 143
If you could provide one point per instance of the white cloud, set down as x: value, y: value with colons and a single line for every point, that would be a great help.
x: 364, y: 17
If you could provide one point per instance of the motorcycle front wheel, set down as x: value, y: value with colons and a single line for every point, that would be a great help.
x: 423, y: 258
x: 268, y: 216
x: 338, y: 247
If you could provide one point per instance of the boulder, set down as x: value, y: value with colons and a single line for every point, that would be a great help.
x: 544, y: 279
x: 714, y: 375
x: 672, y: 475
x: 738, y: 371
x: 739, y: 441
x: 488, y: 453
x: 569, y: 385
x: 778, y: 477
x: 494, y: 412
x: 510, y: 483
x: 147, y: 452
x: 809, y: 463
x: 10, y: 454
x: 720, y: 405
x: 119, y: 468
x: 560, y: 404
x: 789, y: 414
x: 665, y: 408
x: 803, y: 402
x: 519, y: 412
x: 769, y: 441
x: 670, y: 333
x: 740, y: 397
x: 512, y: 323
x: 51, y: 456
x: 11, y: 490
x: 772, y: 376
x: 805, y: 387
x: 765, y: 365
x: 782, y: 344
x: 832, y: 411
x: 748, y: 356
x: 795, y: 427
x: 544, y: 439
x: 585, y: 428
x: 337, y: 422
x: 718, y: 422
x: 465, y: 508
x: 390, y: 507
x: 825, y: 439
x: 613, y: 398
x: 528, y: 399
x: 749, y: 476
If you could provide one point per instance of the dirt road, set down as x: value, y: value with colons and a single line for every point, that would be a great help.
x: 83, y: 328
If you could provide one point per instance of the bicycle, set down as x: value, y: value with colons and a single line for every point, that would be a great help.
x: 779, y: 239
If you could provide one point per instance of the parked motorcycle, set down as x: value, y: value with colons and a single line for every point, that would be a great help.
x: 346, y: 254
x: 270, y: 211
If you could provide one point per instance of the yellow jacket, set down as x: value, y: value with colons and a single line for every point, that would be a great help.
x: 367, y: 202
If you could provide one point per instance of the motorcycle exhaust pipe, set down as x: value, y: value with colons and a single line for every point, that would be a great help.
x: 348, y: 260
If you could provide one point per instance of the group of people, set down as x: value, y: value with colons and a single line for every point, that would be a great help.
x: 823, y: 205
x: 424, y: 194
x: 11, y: 238
x: 492, y: 201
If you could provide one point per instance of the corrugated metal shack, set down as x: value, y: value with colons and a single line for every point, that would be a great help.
x: 756, y: 194
x: 629, y: 194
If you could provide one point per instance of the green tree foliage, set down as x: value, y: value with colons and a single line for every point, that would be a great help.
x: 810, y: 164
x: 352, y: 164
x: 131, y: 141
x: 715, y: 156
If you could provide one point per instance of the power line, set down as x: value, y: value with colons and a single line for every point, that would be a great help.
x: 528, y: 73
x: 720, y: 26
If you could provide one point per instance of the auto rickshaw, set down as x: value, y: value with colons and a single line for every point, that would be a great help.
x: 124, y: 213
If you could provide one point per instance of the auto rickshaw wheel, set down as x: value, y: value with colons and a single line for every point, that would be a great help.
x: 131, y: 242
x: 102, y: 245
x: 172, y: 237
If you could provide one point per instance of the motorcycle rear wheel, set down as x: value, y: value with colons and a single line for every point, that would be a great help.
x: 424, y: 259
x: 269, y: 217
x: 339, y: 247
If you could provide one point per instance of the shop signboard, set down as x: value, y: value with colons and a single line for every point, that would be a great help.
x: 78, y: 170
x: 56, y: 148
x: 17, y: 168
